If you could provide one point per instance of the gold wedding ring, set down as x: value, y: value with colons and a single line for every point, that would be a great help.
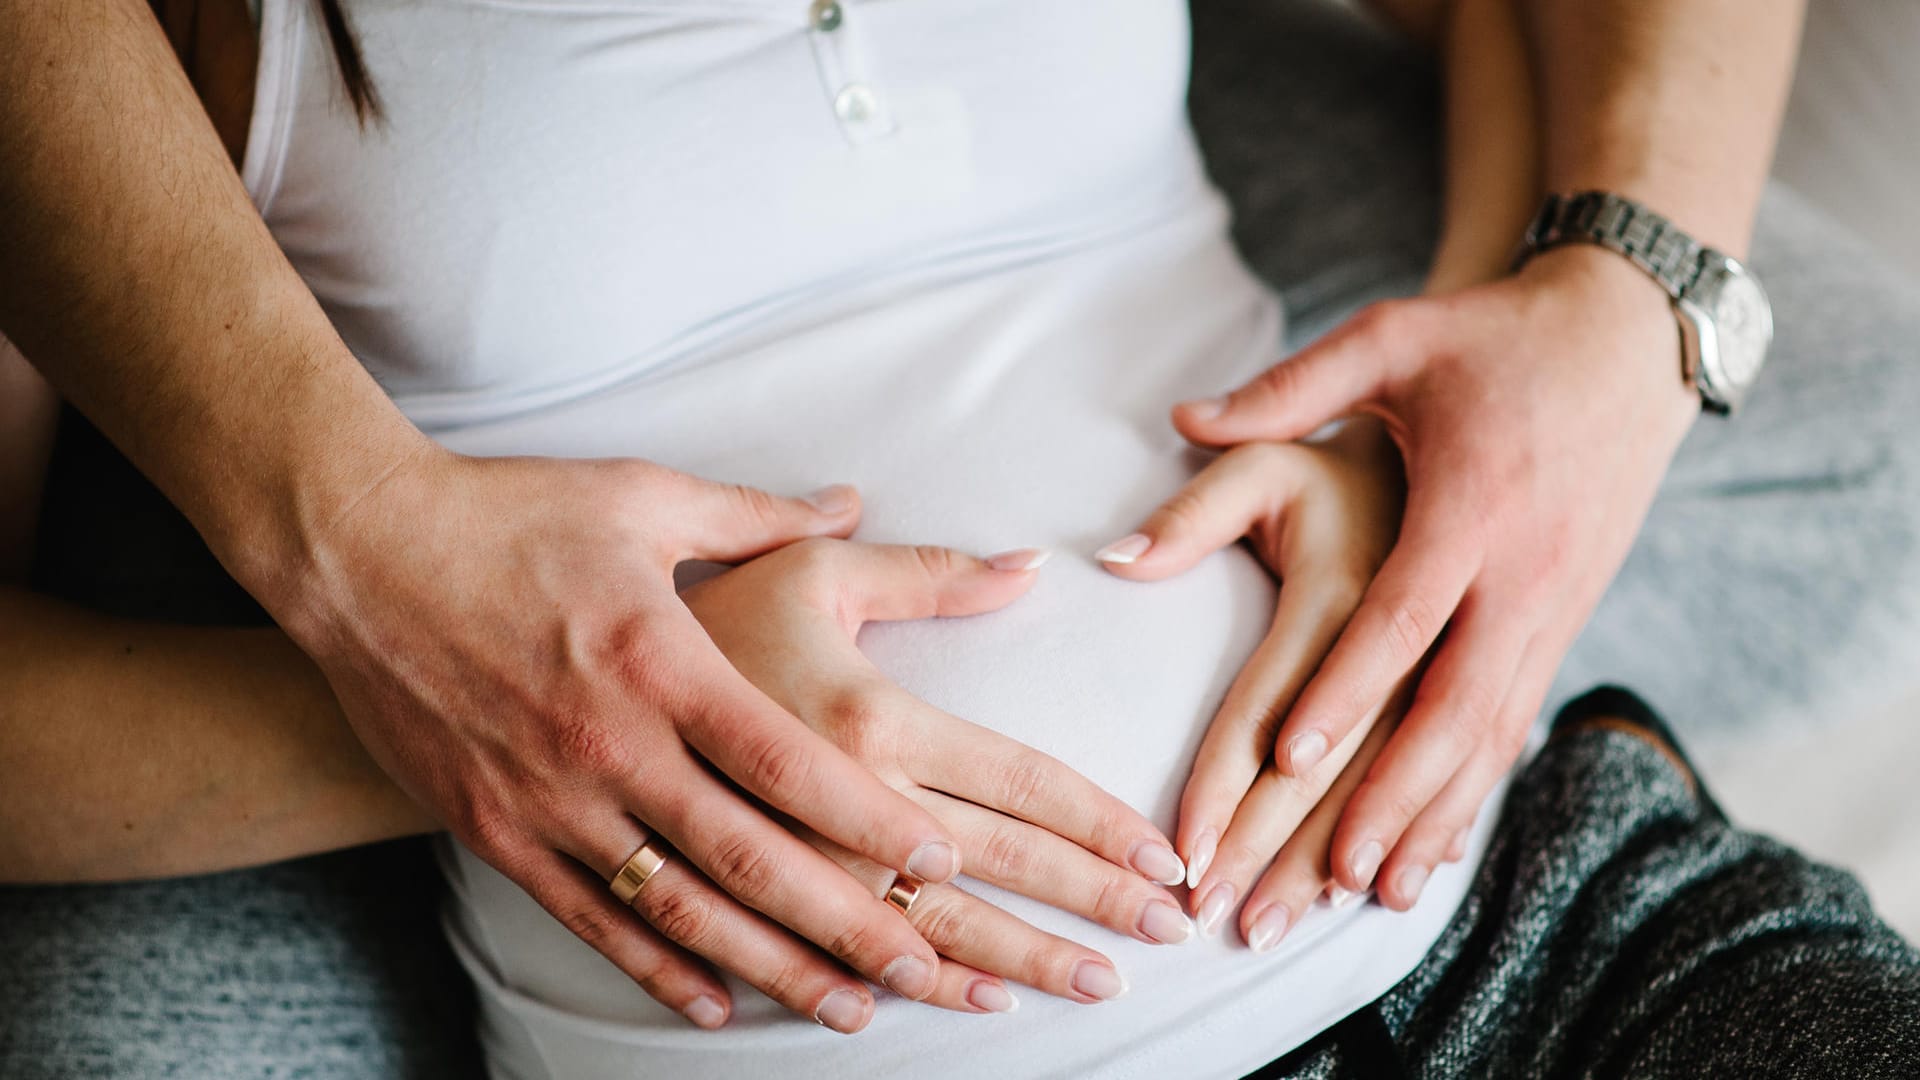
x: 636, y: 872
x: 904, y: 892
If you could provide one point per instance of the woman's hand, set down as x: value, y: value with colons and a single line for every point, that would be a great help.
x: 1322, y: 517
x: 1025, y: 822
x: 1536, y: 416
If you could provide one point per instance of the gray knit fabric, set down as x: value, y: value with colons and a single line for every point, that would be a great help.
x: 1620, y: 927
x: 1609, y: 932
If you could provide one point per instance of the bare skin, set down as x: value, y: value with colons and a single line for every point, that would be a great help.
x: 1536, y: 413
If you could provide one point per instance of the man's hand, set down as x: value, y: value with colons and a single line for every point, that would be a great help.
x: 505, y: 638
x: 1536, y: 416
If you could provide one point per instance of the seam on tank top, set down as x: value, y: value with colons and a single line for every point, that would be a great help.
x: 275, y: 90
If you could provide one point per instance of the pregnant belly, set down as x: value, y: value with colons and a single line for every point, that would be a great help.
x: 1029, y: 408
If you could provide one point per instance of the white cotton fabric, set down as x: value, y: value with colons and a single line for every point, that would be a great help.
x: 611, y: 227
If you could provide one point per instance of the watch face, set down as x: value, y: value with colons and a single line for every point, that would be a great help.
x: 1743, y: 327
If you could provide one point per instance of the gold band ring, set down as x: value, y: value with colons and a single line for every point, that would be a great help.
x: 904, y: 892
x: 636, y: 872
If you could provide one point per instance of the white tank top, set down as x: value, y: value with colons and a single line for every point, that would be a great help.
x: 959, y: 252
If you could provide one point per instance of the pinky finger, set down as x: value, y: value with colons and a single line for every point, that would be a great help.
x: 669, y: 974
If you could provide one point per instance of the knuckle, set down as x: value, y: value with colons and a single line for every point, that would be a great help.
x: 682, y: 915
x: 744, y: 867
x: 1005, y: 856
x: 1412, y: 625
x: 851, y: 942
x: 754, y: 505
x: 586, y: 742
x: 491, y: 834
x: 943, y: 925
x: 1114, y: 902
x: 1181, y: 515
x: 778, y: 769
x: 1025, y: 781
x: 937, y: 563
x: 598, y: 926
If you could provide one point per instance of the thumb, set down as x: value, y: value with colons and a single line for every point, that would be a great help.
x: 731, y: 522
x: 889, y: 582
x: 1295, y: 397
x: 1215, y: 508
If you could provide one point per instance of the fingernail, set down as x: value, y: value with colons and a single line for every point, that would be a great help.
x: 1020, y: 559
x: 1366, y: 861
x: 1098, y: 981
x: 992, y: 997
x: 1203, y: 851
x: 908, y: 976
x: 1165, y: 923
x: 935, y: 860
x: 1338, y: 897
x: 1157, y: 863
x: 1205, y: 408
x: 1457, y: 847
x: 1306, y: 751
x: 1124, y: 550
x: 833, y: 499
x: 706, y: 1012
x: 1214, y: 908
x: 1412, y: 880
x: 843, y: 1011
x: 1269, y: 928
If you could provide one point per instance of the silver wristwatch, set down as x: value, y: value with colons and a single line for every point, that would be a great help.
x: 1726, y: 323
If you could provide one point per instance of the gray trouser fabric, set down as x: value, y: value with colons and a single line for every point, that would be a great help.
x: 1779, y: 564
x: 1621, y: 927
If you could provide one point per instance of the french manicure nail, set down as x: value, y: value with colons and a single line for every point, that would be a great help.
x: 705, y: 1012
x: 1412, y: 880
x: 935, y: 860
x: 1203, y: 852
x: 908, y: 976
x: 1205, y: 408
x: 1157, y: 863
x: 1165, y: 923
x: 842, y: 1010
x: 1124, y: 550
x: 1214, y: 908
x: 992, y: 997
x: 1339, y: 897
x: 1098, y: 981
x: 1306, y: 751
x: 1020, y: 559
x: 1366, y: 861
x: 833, y: 499
x: 1269, y: 928
x: 1457, y: 847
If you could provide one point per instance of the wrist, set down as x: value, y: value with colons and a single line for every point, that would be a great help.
x: 1614, y: 294
x: 278, y: 538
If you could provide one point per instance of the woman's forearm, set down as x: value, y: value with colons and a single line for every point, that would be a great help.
x: 136, y: 750
x: 1492, y: 166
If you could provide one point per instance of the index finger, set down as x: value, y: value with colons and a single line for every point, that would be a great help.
x: 985, y: 767
x: 772, y: 754
x: 1399, y: 618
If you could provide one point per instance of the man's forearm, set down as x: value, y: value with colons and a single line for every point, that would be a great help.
x: 135, y: 273
x: 1675, y: 104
